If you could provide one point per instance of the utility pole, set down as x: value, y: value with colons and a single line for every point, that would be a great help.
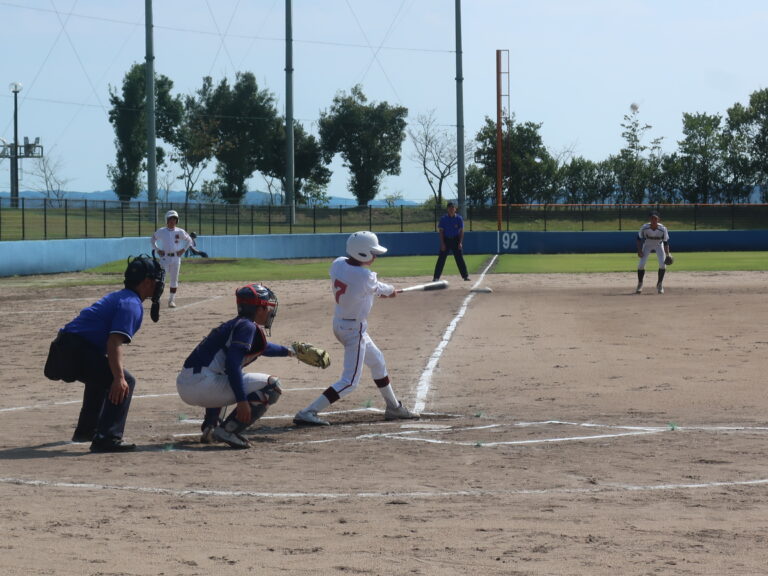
x: 15, y: 88
x: 290, y: 193
x: 150, y: 106
x: 462, y: 188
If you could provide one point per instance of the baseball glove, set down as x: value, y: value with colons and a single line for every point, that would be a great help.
x: 669, y: 260
x: 311, y: 354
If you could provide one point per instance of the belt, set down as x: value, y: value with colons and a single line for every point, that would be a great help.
x: 349, y: 319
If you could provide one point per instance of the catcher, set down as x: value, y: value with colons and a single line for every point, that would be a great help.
x: 213, y: 375
x: 653, y: 237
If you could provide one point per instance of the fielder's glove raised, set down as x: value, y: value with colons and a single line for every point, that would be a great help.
x: 311, y: 354
x: 669, y: 260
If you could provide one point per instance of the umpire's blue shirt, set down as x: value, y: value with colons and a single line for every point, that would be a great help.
x: 451, y: 225
x: 119, y: 312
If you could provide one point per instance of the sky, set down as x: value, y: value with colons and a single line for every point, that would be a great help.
x: 574, y: 66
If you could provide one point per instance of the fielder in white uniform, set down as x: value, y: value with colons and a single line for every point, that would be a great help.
x: 354, y: 287
x: 170, y: 243
x: 653, y: 237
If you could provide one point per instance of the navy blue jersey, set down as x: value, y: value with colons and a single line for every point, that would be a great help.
x: 451, y: 225
x: 119, y: 312
x: 229, y: 347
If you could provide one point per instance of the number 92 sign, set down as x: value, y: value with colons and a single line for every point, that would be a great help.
x: 509, y: 242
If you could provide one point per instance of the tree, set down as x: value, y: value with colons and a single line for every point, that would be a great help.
x: 367, y: 136
x: 244, y: 120
x: 700, y: 153
x: 479, y: 187
x: 529, y: 172
x: 310, y: 172
x: 747, y: 143
x: 193, y: 139
x: 632, y: 169
x: 128, y: 117
x: 46, y: 172
x: 436, y: 153
x: 579, y: 181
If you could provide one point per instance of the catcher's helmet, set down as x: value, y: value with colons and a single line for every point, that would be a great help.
x: 142, y: 267
x: 171, y: 214
x: 363, y: 246
x: 254, y: 296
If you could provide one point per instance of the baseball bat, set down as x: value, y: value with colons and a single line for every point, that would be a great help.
x: 439, y: 285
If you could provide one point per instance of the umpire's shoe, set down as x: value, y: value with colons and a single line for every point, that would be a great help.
x: 102, y: 444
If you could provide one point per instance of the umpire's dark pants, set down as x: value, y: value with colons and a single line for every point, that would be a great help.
x: 451, y: 245
x: 81, y: 361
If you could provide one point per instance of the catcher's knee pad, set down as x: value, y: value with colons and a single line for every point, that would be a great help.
x: 272, y: 391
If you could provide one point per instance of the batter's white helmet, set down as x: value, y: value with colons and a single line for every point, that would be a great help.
x: 363, y: 246
x: 171, y: 214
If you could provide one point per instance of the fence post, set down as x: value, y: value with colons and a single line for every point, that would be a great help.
x: 695, y: 214
x: 401, y: 218
x: 733, y: 216
x: 66, y: 218
x: 340, y: 217
x: 619, y: 217
x: 314, y: 219
x: 45, y: 218
x: 545, y: 216
x: 370, y: 218
x: 269, y: 218
x: 23, y: 221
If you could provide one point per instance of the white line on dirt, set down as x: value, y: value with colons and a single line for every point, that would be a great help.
x: 425, y: 381
x: 608, y: 488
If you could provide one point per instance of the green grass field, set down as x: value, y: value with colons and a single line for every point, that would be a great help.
x: 250, y: 270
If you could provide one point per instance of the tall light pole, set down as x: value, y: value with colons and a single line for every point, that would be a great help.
x: 15, y: 88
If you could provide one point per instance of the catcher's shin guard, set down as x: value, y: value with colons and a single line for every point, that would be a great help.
x: 259, y: 401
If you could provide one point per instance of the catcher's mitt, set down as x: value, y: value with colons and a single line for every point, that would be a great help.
x: 669, y: 260
x: 311, y: 354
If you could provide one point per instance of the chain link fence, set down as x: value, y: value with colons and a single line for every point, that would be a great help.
x: 50, y: 219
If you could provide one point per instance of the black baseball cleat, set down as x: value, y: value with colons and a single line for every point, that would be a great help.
x: 466, y: 279
x: 79, y: 436
x: 101, y: 444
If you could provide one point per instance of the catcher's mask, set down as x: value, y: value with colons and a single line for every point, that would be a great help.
x: 363, y: 246
x: 254, y: 296
x: 142, y: 267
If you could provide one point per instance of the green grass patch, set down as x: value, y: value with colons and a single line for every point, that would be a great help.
x: 256, y: 270
x: 592, y: 263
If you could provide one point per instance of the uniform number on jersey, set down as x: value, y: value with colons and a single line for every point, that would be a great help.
x: 338, y: 289
x: 509, y: 241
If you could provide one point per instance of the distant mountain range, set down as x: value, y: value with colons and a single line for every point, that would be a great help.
x: 255, y: 198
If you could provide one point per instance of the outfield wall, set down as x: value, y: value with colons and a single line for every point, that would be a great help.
x: 54, y: 256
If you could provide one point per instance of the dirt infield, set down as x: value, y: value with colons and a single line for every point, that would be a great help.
x: 569, y: 427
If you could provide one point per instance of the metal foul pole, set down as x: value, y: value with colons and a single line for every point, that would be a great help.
x: 290, y: 197
x: 150, y: 106
x: 462, y: 189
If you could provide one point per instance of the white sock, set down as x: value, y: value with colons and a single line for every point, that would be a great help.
x: 389, y: 396
x: 321, y: 403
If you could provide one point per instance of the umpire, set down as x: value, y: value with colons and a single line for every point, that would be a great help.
x: 451, y: 229
x: 89, y: 349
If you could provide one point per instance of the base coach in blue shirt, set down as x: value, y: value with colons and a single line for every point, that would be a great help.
x: 451, y: 229
x: 89, y: 349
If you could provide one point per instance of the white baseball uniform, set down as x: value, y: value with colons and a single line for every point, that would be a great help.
x: 354, y: 288
x: 170, y: 244
x: 653, y: 240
